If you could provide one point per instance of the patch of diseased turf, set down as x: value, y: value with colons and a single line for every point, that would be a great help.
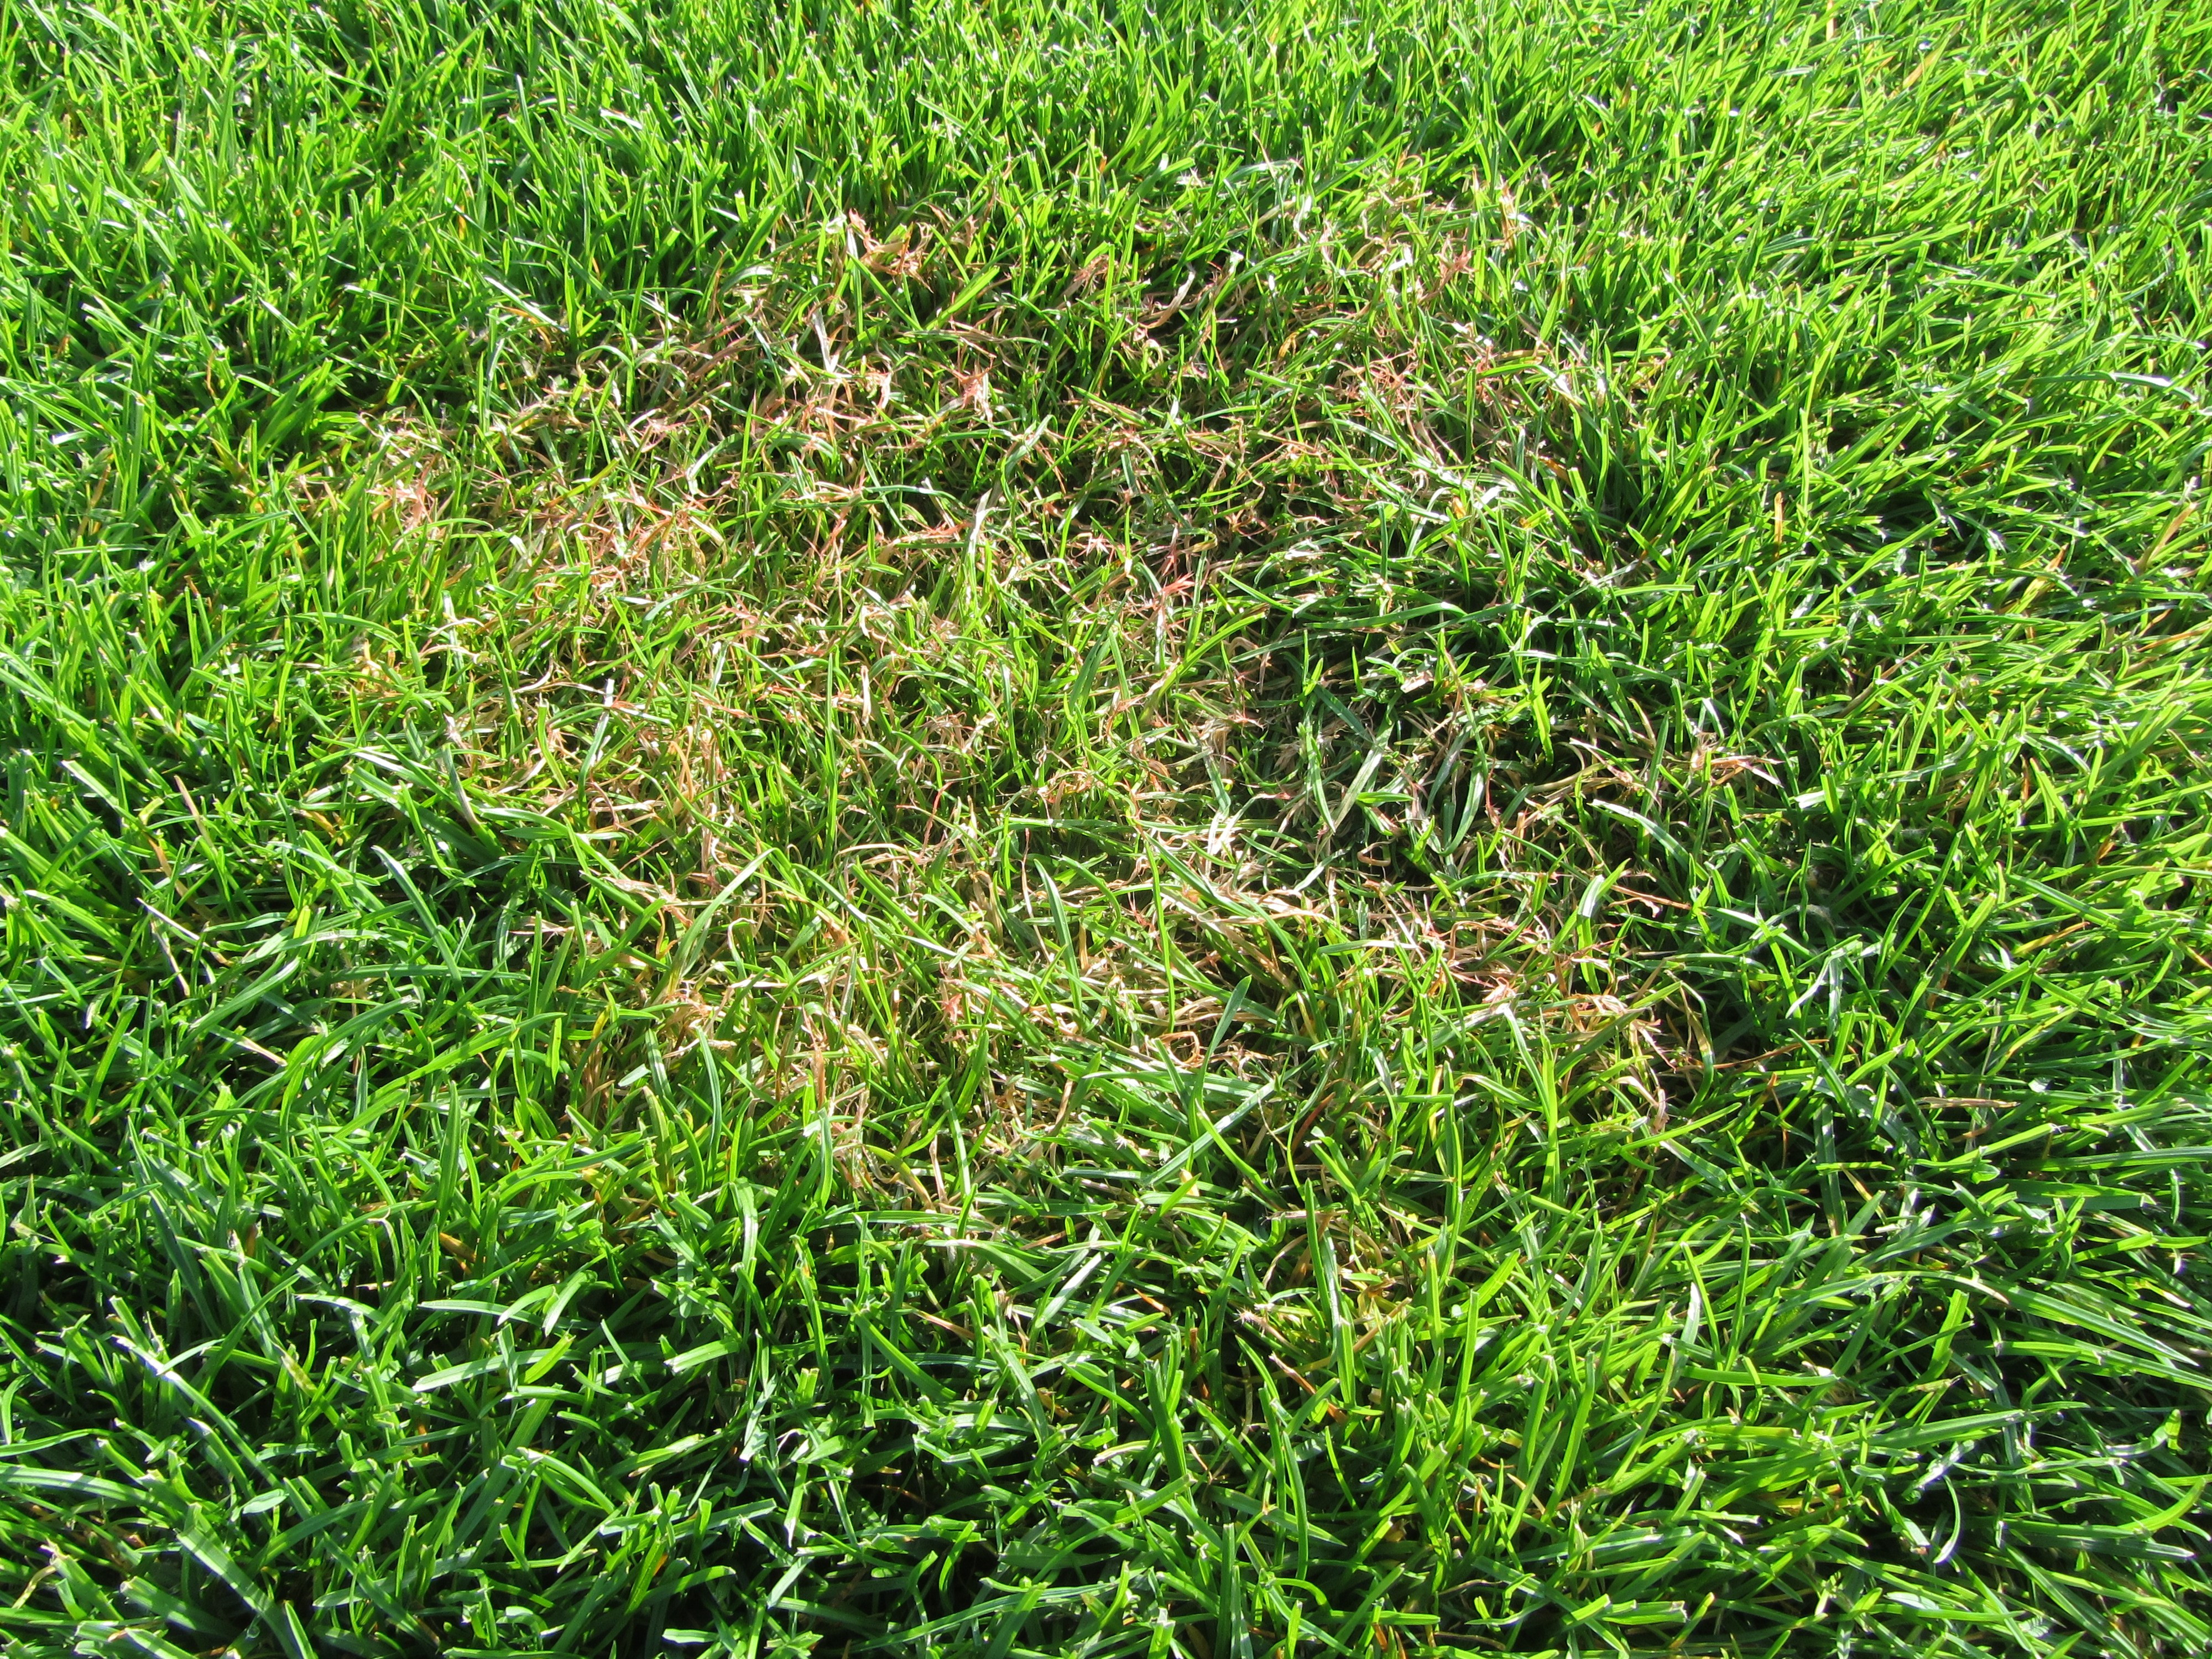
x: 1001, y: 831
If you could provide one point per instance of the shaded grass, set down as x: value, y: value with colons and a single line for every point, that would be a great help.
x: 993, y: 832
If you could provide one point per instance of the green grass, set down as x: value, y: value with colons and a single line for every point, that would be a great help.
x: 1025, y: 829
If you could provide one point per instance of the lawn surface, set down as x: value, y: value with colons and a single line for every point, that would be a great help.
x: 1042, y: 828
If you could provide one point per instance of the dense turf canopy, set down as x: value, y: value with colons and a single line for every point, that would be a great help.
x: 1085, y: 829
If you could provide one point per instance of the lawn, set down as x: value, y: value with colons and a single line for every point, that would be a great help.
x: 1314, y: 827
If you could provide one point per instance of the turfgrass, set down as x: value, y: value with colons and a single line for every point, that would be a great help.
x: 1066, y: 830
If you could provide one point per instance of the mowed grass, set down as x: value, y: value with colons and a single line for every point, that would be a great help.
x: 1006, y: 830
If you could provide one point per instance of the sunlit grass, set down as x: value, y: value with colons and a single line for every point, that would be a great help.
x: 998, y: 831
